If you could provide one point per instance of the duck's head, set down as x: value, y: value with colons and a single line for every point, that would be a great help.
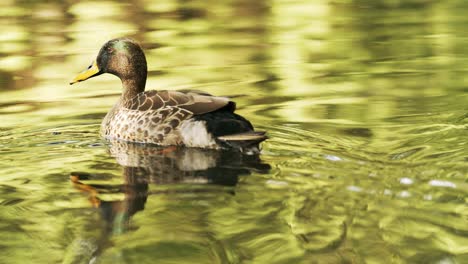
x: 121, y: 57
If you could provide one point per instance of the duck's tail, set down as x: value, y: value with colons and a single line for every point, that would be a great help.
x: 247, y: 142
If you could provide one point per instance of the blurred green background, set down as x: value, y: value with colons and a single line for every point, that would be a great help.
x: 365, y: 103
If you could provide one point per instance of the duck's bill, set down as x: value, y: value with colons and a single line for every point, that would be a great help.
x: 92, y: 70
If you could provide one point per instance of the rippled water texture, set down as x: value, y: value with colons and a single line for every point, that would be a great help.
x: 365, y: 104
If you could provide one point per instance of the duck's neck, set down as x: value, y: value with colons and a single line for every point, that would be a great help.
x: 132, y: 71
x: 132, y: 87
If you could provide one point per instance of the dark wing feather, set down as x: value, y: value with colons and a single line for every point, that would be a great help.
x: 196, y: 103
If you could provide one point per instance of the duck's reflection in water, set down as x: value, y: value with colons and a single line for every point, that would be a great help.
x: 149, y: 165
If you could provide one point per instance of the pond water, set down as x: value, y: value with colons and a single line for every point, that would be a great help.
x: 365, y: 104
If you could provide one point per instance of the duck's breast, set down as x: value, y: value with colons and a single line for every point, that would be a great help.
x: 167, y: 126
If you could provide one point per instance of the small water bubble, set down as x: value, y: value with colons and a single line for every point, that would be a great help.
x: 406, y: 181
x: 441, y: 183
x: 404, y: 194
x: 332, y: 158
x: 354, y: 188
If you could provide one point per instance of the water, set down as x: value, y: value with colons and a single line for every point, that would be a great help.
x: 364, y: 104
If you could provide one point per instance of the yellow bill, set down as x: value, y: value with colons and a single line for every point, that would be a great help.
x: 86, y: 74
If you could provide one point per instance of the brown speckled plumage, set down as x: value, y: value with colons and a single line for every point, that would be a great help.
x: 190, y: 118
x: 155, y: 116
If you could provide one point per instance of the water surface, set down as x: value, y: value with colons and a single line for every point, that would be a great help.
x: 364, y: 104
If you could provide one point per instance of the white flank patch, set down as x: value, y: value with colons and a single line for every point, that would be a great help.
x: 194, y: 134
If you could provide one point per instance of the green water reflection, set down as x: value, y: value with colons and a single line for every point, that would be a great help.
x: 364, y: 101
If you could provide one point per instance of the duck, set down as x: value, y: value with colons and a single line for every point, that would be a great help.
x: 187, y: 118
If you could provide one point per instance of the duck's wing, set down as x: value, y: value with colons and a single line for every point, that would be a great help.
x: 195, y: 102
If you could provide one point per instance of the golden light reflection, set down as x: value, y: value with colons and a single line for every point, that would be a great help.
x: 349, y: 92
x: 95, y: 10
x: 15, y: 63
